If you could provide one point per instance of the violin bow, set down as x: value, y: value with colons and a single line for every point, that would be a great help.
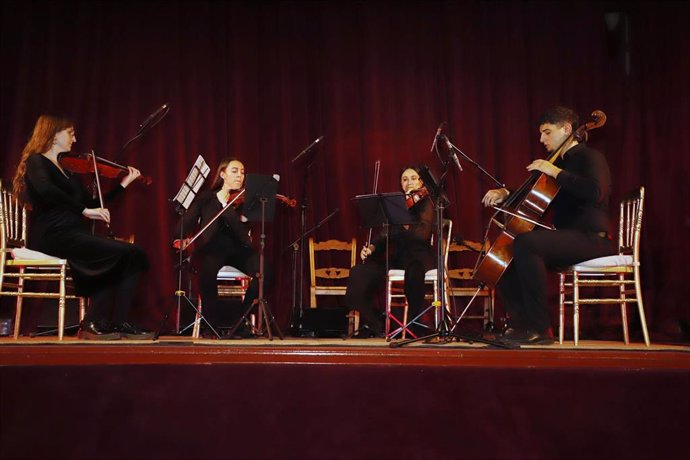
x: 98, y: 187
x: 377, y: 168
x: 184, y: 245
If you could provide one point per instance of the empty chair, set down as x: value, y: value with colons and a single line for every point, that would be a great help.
x: 330, y: 280
x: 461, y: 283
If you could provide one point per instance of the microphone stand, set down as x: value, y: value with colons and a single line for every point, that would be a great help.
x: 298, y: 272
x: 149, y: 123
x: 452, y: 148
x: 296, y: 323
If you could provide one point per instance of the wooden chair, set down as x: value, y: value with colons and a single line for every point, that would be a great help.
x: 20, y: 265
x: 395, y: 292
x: 329, y: 280
x: 231, y: 283
x: 621, y: 271
x: 461, y: 283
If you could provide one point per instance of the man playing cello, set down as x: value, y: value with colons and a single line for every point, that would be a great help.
x: 581, y: 221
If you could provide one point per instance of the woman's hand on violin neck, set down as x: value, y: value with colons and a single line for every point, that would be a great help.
x: 133, y: 174
x: 97, y: 214
x: 367, y: 251
x: 495, y: 196
x: 544, y: 166
x: 181, y: 244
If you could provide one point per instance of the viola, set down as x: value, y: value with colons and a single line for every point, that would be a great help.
x: 82, y: 163
x: 415, y: 196
x: 524, y: 209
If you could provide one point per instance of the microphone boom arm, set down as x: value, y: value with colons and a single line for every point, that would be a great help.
x: 454, y: 149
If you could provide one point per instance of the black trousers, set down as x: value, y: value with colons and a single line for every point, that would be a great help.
x: 210, y: 261
x: 367, y: 278
x: 523, y: 287
x: 104, y: 269
x: 111, y: 304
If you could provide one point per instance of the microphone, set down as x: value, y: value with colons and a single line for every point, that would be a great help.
x: 452, y: 154
x: 311, y: 146
x: 158, y: 111
x: 438, y: 133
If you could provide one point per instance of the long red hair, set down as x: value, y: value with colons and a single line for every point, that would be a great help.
x: 47, y: 126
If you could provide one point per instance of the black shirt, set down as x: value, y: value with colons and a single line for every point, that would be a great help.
x: 583, y: 201
x: 227, y: 230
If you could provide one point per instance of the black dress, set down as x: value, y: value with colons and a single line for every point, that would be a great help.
x: 101, y: 267
x: 225, y: 242
x: 409, y: 250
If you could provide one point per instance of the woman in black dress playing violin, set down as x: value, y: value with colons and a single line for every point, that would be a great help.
x: 105, y: 270
x: 225, y: 242
x: 410, y: 249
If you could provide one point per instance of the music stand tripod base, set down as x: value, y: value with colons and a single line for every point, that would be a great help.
x: 260, y: 189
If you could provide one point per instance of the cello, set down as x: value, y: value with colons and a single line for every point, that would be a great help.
x: 523, y: 210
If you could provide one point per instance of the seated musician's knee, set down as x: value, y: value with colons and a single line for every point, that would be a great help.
x: 524, y: 244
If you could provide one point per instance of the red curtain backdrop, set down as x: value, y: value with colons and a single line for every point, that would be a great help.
x: 261, y: 81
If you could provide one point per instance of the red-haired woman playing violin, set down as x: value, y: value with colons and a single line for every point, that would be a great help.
x: 103, y: 269
x: 410, y: 249
x: 225, y: 242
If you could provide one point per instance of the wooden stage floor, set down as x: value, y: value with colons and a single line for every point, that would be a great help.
x: 27, y: 351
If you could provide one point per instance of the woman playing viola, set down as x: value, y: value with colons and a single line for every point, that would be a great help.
x: 409, y: 249
x: 225, y: 242
x: 105, y: 270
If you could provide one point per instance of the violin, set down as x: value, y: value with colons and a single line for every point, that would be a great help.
x: 81, y: 163
x: 236, y: 198
x: 415, y: 196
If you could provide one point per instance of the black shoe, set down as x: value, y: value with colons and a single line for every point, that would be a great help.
x: 93, y: 330
x: 510, y: 332
x: 131, y: 332
x: 365, y: 332
x: 240, y: 333
x: 243, y: 330
x: 527, y: 337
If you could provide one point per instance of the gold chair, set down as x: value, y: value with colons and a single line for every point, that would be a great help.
x: 395, y: 289
x: 231, y: 283
x: 461, y: 283
x: 335, y: 276
x: 621, y: 270
x: 19, y: 265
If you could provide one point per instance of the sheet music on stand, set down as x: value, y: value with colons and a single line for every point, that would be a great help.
x: 195, y: 179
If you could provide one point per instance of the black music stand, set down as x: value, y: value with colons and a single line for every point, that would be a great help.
x: 383, y: 209
x: 259, y: 206
x: 183, y: 199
